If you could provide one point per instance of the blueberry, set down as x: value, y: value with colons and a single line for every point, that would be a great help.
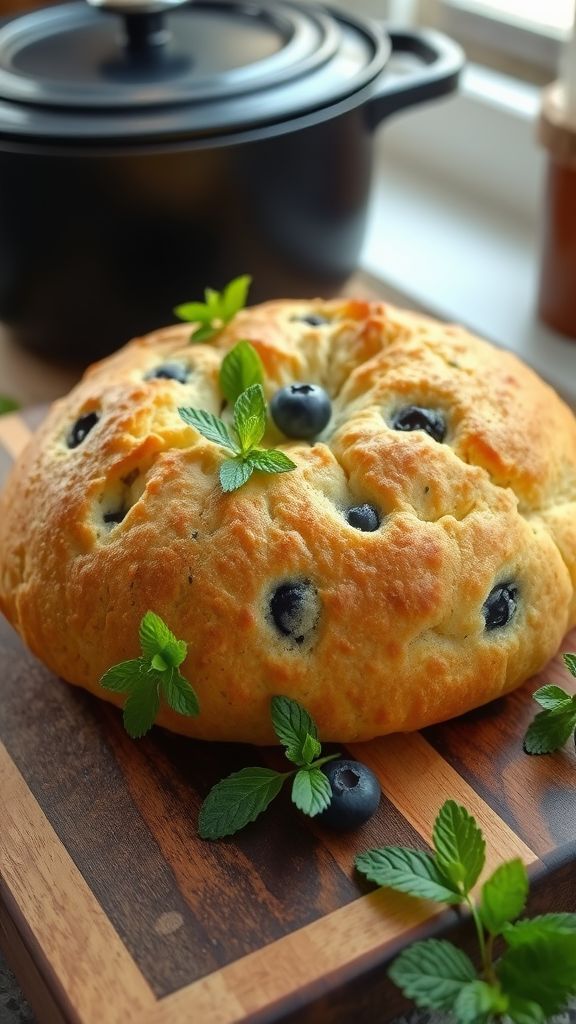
x: 314, y: 319
x: 500, y: 605
x: 301, y: 410
x: 355, y: 795
x: 363, y: 517
x: 169, y: 371
x: 414, y: 417
x: 82, y: 428
x: 115, y: 517
x: 295, y: 609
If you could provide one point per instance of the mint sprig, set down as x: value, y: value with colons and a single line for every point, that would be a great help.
x: 535, y: 975
x: 241, y: 367
x: 240, y: 798
x: 218, y: 309
x: 249, y: 425
x: 552, y: 727
x: 155, y: 674
x: 8, y: 405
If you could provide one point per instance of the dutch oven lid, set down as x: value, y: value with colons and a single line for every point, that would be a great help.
x: 155, y: 69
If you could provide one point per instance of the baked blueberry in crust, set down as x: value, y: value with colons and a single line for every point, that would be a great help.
x: 363, y: 517
x: 500, y: 605
x: 301, y: 410
x: 81, y: 428
x: 295, y: 609
x: 416, y: 417
x: 169, y: 371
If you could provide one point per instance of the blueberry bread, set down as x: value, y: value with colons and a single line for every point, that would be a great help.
x: 418, y: 562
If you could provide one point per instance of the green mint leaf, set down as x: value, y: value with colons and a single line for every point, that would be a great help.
x: 570, y: 662
x: 123, y: 677
x: 179, y: 694
x: 311, y: 791
x: 477, y: 1000
x: 194, y: 312
x: 552, y: 697
x: 311, y: 749
x: 233, y: 297
x: 522, y: 1011
x: 525, y: 932
x: 8, y: 404
x: 542, y: 971
x: 156, y: 638
x: 236, y: 801
x: 250, y: 417
x: 233, y: 473
x: 241, y: 367
x: 504, y: 896
x: 213, y: 303
x: 212, y: 428
x: 141, y: 708
x: 549, y: 730
x: 292, y: 725
x: 204, y: 333
x: 409, y: 871
x: 269, y: 460
x: 432, y: 973
x: 459, y: 844
x: 159, y: 664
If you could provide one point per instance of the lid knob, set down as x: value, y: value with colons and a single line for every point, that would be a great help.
x: 144, y: 24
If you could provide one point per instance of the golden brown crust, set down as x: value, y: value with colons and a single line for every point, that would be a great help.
x: 401, y: 639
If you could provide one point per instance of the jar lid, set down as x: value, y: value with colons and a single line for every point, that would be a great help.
x: 155, y: 69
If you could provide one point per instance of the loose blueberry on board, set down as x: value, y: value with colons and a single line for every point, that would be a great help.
x: 500, y: 605
x: 295, y: 609
x: 355, y: 795
x: 363, y: 517
x: 301, y: 410
x: 169, y: 371
x: 82, y: 428
x: 314, y: 319
x: 415, y: 417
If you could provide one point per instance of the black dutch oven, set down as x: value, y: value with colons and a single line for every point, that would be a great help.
x: 151, y: 147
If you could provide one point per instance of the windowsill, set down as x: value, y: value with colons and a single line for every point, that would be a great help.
x: 452, y: 243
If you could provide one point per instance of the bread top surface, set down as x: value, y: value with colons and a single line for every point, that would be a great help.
x: 391, y: 632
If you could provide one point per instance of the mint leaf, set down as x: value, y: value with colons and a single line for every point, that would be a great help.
x: 159, y: 664
x: 204, y: 333
x: 543, y: 971
x: 269, y: 460
x: 311, y: 749
x: 123, y: 677
x: 504, y: 896
x: 179, y: 694
x: 141, y: 708
x: 409, y: 871
x: 212, y: 428
x: 522, y: 1011
x: 241, y: 368
x: 476, y: 1000
x: 432, y: 973
x: 233, y: 473
x: 234, y: 297
x: 524, y: 932
x: 250, y: 417
x: 311, y: 791
x: 549, y: 730
x: 552, y: 697
x: 237, y: 800
x: 292, y: 725
x: 570, y: 662
x: 155, y: 637
x: 460, y: 846
x: 8, y: 404
x: 194, y: 312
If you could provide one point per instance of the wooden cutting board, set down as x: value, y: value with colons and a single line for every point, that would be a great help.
x: 112, y: 910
